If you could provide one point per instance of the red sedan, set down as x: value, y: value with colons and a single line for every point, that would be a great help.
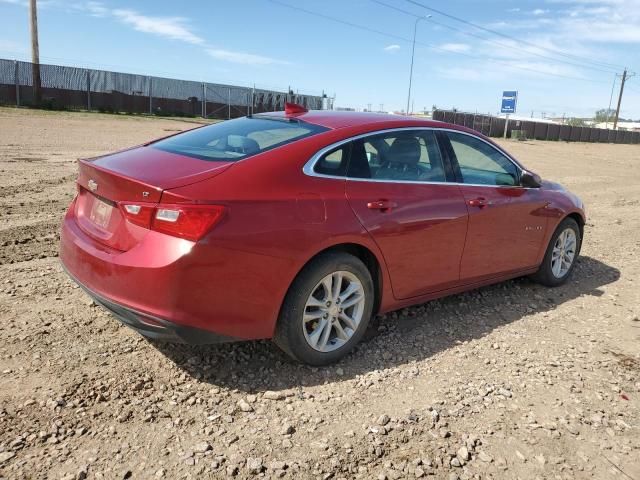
x: 300, y: 226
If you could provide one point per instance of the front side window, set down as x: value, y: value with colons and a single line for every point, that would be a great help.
x: 410, y: 156
x: 480, y: 163
x: 236, y: 139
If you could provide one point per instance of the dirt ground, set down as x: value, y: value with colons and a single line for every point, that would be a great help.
x: 509, y: 381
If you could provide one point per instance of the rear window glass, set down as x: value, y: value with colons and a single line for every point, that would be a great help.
x: 237, y: 139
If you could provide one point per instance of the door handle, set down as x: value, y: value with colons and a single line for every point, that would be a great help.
x: 382, y: 205
x: 479, y: 202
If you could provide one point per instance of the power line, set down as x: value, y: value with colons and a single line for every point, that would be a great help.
x: 493, y: 42
x: 504, y: 35
x: 338, y: 20
x: 430, y: 45
x: 632, y: 86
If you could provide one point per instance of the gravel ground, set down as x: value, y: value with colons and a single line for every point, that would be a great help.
x: 509, y: 381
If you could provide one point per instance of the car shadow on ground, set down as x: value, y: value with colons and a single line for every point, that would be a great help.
x: 411, y: 334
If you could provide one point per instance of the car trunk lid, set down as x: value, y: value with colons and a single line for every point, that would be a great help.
x: 138, y: 175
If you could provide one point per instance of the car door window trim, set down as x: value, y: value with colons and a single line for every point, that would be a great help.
x: 308, y: 168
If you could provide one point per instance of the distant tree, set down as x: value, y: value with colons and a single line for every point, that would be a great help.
x: 604, y: 115
x: 576, y: 122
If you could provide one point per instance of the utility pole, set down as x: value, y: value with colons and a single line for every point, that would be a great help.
x: 624, y: 79
x: 413, y: 52
x: 35, y: 53
x: 613, y: 86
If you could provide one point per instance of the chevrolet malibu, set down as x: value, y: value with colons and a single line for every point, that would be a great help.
x: 300, y: 226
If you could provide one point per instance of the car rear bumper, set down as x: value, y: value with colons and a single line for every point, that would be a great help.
x: 153, y: 327
x: 170, y: 287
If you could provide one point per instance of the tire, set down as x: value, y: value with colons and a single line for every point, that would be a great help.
x: 309, y: 316
x: 549, y: 276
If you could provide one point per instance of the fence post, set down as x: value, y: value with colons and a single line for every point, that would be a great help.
x: 204, y: 100
x: 17, y: 80
x: 88, y: 91
x: 150, y: 96
x: 229, y: 104
x: 248, y: 99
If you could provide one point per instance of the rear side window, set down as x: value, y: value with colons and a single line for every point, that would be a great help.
x: 334, y: 162
x: 237, y: 139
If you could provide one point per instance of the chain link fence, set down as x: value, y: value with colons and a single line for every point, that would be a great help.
x: 494, y: 127
x: 76, y: 88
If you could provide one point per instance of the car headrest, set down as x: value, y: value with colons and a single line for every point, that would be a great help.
x: 405, y: 150
x: 248, y: 145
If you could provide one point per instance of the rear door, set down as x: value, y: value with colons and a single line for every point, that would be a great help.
x: 397, y: 187
x: 506, y: 221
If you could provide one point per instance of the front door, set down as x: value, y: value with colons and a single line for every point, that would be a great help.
x: 397, y: 189
x: 506, y: 221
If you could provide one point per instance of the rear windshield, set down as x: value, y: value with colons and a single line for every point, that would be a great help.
x: 236, y: 139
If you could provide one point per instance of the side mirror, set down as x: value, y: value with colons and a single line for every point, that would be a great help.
x: 530, y: 179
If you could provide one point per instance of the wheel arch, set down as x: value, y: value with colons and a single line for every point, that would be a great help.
x: 371, y: 262
x: 579, y: 219
x: 362, y: 252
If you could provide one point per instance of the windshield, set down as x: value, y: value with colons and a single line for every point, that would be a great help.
x: 236, y: 139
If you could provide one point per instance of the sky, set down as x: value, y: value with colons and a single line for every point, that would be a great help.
x: 560, y: 55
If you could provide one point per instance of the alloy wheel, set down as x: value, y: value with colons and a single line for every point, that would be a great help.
x: 564, y: 252
x: 333, y: 311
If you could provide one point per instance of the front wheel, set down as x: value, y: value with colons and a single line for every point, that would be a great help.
x: 326, y: 310
x: 561, y: 255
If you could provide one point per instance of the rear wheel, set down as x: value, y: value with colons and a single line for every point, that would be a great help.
x: 561, y: 255
x: 326, y: 310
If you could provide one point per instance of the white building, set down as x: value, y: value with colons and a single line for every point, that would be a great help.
x: 522, y: 118
x: 633, y: 126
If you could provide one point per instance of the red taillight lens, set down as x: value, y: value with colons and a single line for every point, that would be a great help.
x: 186, y: 221
x: 190, y: 222
x: 138, y: 213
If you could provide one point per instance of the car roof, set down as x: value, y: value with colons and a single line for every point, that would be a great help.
x: 340, y: 119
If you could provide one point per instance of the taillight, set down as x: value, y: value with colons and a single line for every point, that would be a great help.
x: 138, y: 214
x: 186, y: 221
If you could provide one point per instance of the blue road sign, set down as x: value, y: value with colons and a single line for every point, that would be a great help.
x: 509, y: 100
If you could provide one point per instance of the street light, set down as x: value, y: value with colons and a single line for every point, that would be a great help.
x: 413, y: 51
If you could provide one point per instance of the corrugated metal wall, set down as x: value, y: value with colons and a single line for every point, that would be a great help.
x: 494, y: 127
x: 87, y: 89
